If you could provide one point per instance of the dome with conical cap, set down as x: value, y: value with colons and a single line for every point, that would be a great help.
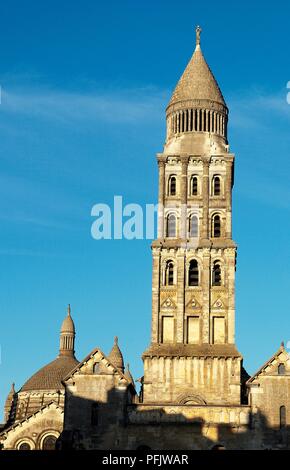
x: 115, y: 356
x: 68, y: 325
x: 50, y: 376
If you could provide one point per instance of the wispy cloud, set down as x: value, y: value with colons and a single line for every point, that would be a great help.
x: 257, y: 109
x: 70, y: 107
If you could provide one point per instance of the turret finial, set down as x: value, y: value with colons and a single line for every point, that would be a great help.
x: 198, y: 30
x: 116, y: 340
x: 68, y: 310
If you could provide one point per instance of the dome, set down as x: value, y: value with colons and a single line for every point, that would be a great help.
x: 116, y: 356
x: 50, y: 376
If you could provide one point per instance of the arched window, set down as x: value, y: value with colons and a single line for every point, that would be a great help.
x: 194, y: 186
x: 96, y: 368
x: 171, y: 226
x: 24, y: 446
x: 216, y: 186
x: 193, y: 274
x: 95, y: 414
x: 216, y: 226
x: 169, y: 273
x: 216, y: 274
x: 49, y: 443
x: 172, y: 186
x: 193, y: 226
x: 282, y: 417
x: 281, y: 369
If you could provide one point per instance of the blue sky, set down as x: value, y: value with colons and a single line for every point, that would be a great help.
x: 84, y: 89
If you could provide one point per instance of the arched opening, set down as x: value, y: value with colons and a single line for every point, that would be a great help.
x: 96, y: 368
x: 143, y: 448
x: 216, y: 190
x: 169, y: 273
x: 217, y: 274
x: 193, y: 226
x: 49, y: 443
x: 282, y: 417
x: 216, y: 226
x: 194, y: 186
x: 171, y: 226
x: 281, y: 369
x: 218, y: 447
x: 24, y: 446
x: 193, y: 274
x: 172, y: 186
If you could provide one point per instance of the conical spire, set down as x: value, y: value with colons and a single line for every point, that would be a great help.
x: 116, y: 356
x: 67, y: 335
x: 197, y: 81
x: 128, y: 374
x: 197, y: 115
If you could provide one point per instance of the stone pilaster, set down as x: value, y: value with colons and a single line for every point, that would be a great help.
x: 156, y: 279
x: 180, y: 258
x: 183, y: 198
x: 206, y: 282
x: 205, y: 198
x: 228, y: 197
x: 161, y: 196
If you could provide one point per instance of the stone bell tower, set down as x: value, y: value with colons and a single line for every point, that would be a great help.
x: 192, y: 357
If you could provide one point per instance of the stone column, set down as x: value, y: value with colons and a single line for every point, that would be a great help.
x: 161, y: 197
x: 189, y: 120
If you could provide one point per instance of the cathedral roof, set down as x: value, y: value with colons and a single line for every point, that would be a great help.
x: 106, y: 367
x: 197, y: 81
x: 50, y: 376
x: 192, y: 350
x: 115, y: 356
x: 280, y: 356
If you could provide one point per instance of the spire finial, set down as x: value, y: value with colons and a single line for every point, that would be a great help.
x: 282, y: 344
x: 116, y: 340
x: 68, y: 310
x: 198, y: 30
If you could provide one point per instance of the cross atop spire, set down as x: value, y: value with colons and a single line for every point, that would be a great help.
x: 198, y: 30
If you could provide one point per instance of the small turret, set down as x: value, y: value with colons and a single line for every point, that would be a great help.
x: 116, y: 356
x: 67, y: 336
x: 128, y: 374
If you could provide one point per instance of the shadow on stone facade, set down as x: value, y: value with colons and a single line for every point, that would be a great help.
x: 116, y: 425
